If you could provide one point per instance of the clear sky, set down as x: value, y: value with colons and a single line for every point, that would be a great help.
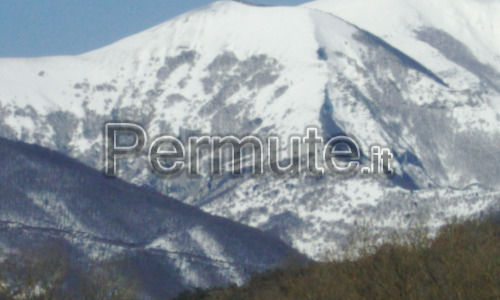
x: 65, y: 27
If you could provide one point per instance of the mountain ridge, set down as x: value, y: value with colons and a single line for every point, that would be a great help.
x: 101, y: 218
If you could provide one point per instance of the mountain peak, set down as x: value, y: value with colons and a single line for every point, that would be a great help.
x: 222, y: 25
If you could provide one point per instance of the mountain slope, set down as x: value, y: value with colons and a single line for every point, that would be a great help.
x: 45, y: 196
x: 232, y: 68
x: 471, y: 23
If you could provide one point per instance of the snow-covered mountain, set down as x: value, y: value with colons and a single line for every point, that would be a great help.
x: 46, y: 196
x: 420, y: 77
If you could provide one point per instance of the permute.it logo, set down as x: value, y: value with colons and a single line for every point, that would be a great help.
x: 168, y: 156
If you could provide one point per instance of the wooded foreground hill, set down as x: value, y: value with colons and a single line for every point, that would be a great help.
x: 462, y: 262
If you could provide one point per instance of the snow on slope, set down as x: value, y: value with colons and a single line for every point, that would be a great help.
x: 474, y: 23
x: 231, y: 68
x: 221, y: 27
x: 458, y: 40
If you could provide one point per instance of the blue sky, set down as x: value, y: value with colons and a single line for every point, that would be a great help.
x: 64, y: 27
